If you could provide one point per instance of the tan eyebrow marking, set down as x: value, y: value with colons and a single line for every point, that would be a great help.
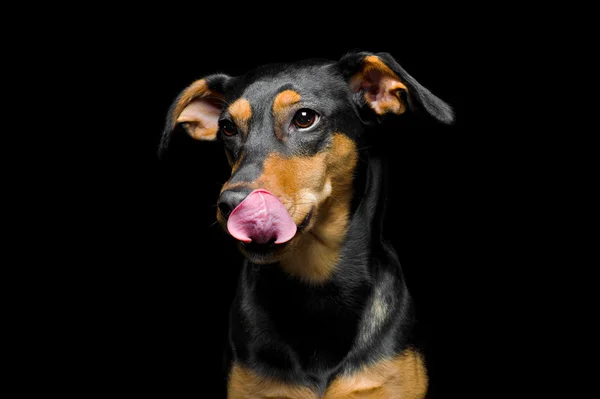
x: 282, y: 102
x: 241, y: 111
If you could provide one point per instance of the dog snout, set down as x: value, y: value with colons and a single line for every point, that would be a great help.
x: 230, y: 199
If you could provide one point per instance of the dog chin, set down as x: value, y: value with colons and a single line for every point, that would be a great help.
x: 263, y: 254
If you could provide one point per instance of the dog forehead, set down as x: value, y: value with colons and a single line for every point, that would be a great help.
x: 310, y: 81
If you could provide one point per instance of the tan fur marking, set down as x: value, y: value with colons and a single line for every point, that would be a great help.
x: 241, y: 111
x: 197, y: 89
x: 324, y: 182
x: 403, y: 377
x: 288, y: 177
x: 283, y: 101
x: 374, y: 62
x: 245, y: 384
x: 198, y: 132
x: 197, y: 109
x: 388, y: 98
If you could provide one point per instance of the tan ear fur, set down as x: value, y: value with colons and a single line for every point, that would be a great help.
x: 381, y: 86
x: 198, y: 111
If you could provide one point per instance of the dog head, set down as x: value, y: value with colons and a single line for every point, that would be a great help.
x: 291, y: 135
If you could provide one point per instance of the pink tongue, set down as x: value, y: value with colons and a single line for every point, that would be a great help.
x: 261, y: 217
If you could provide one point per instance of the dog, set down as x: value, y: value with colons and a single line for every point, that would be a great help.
x: 322, y: 308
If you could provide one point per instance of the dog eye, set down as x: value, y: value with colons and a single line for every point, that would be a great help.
x: 305, y: 118
x: 228, y: 128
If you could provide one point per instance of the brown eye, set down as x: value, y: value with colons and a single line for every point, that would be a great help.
x: 228, y: 128
x: 305, y: 118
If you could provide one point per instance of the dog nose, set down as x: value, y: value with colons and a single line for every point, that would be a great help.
x: 230, y: 199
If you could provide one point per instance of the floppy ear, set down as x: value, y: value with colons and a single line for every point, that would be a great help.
x: 380, y: 82
x: 197, y: 109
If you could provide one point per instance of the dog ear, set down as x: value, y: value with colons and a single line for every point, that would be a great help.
x: 380, y: 82
x: 197, y: 109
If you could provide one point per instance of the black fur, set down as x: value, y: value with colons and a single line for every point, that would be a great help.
x: 280, y: 326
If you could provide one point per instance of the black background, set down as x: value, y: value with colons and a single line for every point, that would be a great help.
x: 158, y: 274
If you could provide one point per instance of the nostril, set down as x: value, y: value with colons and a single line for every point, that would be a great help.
x: 225, y: 209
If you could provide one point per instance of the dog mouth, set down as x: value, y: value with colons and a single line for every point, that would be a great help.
x: 262, y: 218
x: 271, y: 252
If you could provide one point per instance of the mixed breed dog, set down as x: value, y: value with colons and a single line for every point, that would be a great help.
x: 322, y: 308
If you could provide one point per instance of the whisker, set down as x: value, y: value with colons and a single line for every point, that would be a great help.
x: 333, y: 197
x: 318, y: 239
x: 296, y: 203
x: 218, y: 99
